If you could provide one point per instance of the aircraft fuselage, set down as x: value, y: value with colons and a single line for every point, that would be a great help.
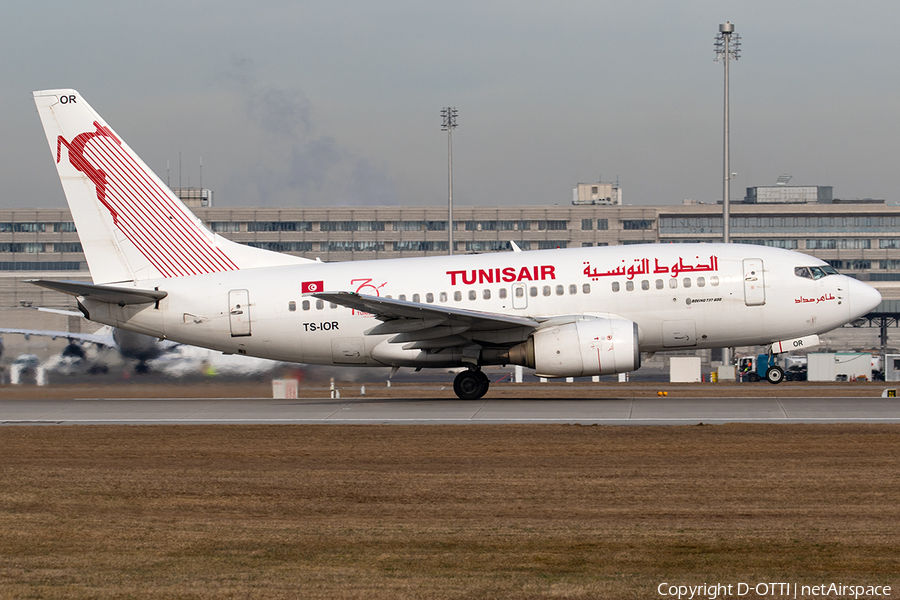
x: 681, y: 296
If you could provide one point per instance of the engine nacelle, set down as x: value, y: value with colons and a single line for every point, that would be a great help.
x: 589, y: 346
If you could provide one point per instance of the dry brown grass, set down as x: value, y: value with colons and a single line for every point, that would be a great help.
x: 519, y: 511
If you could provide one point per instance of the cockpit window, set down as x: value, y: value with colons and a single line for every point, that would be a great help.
x: 817, y: 272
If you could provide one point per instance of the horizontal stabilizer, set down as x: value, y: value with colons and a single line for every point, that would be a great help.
x: 105, y: 293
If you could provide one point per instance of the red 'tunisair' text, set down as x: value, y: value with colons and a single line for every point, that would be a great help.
x: 502, y: 275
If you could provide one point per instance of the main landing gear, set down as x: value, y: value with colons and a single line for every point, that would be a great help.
x: 471, y: 384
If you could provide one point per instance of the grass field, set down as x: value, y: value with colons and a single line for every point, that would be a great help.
x: 518, y: 511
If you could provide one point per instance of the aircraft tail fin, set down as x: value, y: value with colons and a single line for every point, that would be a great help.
x: 132, y: 227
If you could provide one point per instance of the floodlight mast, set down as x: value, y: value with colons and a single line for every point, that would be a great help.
x: 448, y: 124
x: 727, y: 47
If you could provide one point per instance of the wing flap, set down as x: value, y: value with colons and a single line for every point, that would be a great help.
x: 403, y: 326
x: 415, y: 322
x: 430, y: 333
x: 386, y: 309
x: 450, y: 341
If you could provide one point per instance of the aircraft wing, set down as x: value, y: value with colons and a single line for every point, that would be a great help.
x: 431, y: 325
x: 93, y: 338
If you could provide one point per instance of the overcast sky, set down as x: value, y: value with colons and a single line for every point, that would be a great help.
x: 314, y: 103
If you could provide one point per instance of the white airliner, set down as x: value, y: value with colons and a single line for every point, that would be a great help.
x: 574, y: 312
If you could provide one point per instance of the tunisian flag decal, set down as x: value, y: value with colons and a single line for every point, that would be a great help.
x: 312, y: 286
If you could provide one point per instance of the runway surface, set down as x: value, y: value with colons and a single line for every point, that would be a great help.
x: 610, y: 411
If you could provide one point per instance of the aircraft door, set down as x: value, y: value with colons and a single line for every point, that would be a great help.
x: 519, y: 295
x: 239, y: 312
x: 754, y: 282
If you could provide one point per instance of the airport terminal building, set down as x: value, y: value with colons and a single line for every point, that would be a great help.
x: 860, y: 238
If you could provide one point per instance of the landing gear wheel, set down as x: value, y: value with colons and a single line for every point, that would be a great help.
x: 775, y: 375
x: 485, y: 383
x: 471, y: 385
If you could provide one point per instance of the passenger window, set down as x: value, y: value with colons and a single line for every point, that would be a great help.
x: 532, y: 291
x: 443, y: 296
x: 486, y: 294
x: 673, y: 283
x: 573, y: 289
x: 502, y: 293
x: 429, y: 297
x: 305, y: 304
x: 292, y: 306
x: 402, y: 296
x: 701, y: 281
x: 332, y: 305
x: 687, y: 282
x: 615, y: 286
x: 659, y: 284
x: 560, y: 290
x: 546, y: 290
x: 629, y: 286
x: 586, y: 288
x: 320, y: 304
x: 415, y: 298
x: 520, y: 292
x: 714, y: 280
x: 645, y: 285
x: 457, y: 295
x: 473, y: 294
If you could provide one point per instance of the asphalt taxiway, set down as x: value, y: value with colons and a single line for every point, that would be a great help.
x: 412, y: 410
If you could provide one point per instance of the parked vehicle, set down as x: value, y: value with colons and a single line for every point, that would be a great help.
x: 759, y: 367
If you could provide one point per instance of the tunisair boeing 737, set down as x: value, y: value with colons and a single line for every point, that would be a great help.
x: 157, y: 270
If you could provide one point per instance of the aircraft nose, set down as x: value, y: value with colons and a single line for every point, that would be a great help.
x: 863, y: 298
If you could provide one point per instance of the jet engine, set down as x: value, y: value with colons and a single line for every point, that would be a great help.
x: 589, y: 346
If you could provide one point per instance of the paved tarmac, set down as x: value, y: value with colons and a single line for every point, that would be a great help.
x: 612, y: 411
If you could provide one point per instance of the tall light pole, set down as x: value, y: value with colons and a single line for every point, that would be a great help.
x: 727, y: 46
x: 448, y: 124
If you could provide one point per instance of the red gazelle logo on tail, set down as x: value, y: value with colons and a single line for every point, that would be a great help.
x: 141, y: 207
x: 77, y: 160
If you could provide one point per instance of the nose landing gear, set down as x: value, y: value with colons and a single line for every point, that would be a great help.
x: 471, y: 384
x: 775, y: 374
